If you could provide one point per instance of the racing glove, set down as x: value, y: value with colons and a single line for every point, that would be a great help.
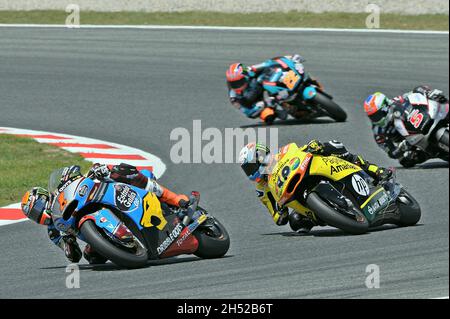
x: 71, y: 249
x: 128, y: 174
x: 67, y: 243
x: 313, y: 146
x: 100, y: 172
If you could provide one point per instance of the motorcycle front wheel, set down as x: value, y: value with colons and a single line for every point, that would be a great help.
x: 213, y: 240
x: 107, y: 249
x: 333, y: 218
x: 410, y: 212
x: 330, y: 107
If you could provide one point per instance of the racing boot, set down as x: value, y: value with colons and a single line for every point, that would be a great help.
x: 268, y: 115
x: 92, y: 256
x: 71, y: 248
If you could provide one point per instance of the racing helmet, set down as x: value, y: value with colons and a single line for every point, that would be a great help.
x: 35, y: 205
x: 254, y: 158
x: 237, y: 77
x: 377, y: 108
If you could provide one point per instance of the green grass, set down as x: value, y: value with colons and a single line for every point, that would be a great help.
x: 290, y: 19
x: 24, y: 163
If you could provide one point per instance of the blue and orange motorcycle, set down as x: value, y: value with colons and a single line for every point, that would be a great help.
x: 302, y: 96
x: 129, y: 226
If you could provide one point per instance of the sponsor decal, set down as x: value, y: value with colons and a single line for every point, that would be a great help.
x: 125, y: 198
x: 295, y: 163
x: 341, y: 167
x: 93, y: 191
x: 379, y: 204
x: 99, y: 192
x: 62, y: 188
x: 184, y: 237
x: 305, y: 163
x: 360, y: 185
x: 190, y: 229
x: 169, y: 240
x: 83, y: 190
x: 332, y: 160
x: 103, y: 220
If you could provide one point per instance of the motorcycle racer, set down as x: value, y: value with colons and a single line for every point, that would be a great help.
x: 388, y: 119
x: 255, y: 158
x: 246, y: 91
x: 36, y: 204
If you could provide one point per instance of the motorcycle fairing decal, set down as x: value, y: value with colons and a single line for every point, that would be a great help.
x: 360, y: 185
x: 176, y: 231
x: 292, y: 164
x: 291, y: 79
x: 98, y: 192
x: 186, y: 243
x: 153, y: 214
x: 309, y: 93
x: 417, y: 119
x: 108, y: 198
x: 375, y: 205
x: 371, y: 197
x: 125, y: 198
x: 332, y: 167
x: 190, y: 229
x: 106, y: 220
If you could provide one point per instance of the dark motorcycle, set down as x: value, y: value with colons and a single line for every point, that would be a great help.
x: 427, y: 122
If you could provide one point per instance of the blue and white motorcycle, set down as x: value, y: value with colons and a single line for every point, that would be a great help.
x: 129, y: 225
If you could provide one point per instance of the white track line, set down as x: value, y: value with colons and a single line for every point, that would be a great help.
x: 223, y: 28
x: 148, y: 159
x: 4, y: 222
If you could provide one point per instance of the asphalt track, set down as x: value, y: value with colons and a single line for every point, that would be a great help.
x: 133, y: 87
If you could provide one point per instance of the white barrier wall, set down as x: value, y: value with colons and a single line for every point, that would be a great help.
x: 387, y: 6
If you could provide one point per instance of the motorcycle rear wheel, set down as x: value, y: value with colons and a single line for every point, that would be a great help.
x: 213, y: 241
x: 105, y: 248
x: 330, y: 107
x: 334, y: 218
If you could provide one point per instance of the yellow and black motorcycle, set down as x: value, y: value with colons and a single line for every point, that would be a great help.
x: 331, y: 191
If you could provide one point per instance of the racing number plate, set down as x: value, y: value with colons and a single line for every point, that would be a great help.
x: 291, y: 80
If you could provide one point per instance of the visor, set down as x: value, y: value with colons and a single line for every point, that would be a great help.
x: 250, y: 169
x: 38, y: 209
x: 378, y: 118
